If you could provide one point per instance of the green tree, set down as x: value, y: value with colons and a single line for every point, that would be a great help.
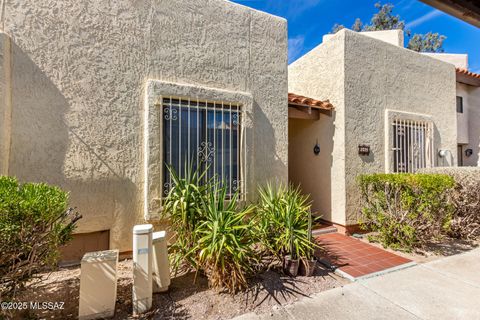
x: 385, y: 19
x: 429, y: 42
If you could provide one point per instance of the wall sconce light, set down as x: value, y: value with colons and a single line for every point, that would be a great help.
x: 363, y: 150
x: 468, y: 152
x: 316, y: 149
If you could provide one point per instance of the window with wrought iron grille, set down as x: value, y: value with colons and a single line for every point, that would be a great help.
x: 206, y: 135
x: 412, y: 145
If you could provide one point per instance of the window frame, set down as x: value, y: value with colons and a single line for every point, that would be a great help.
x: 152, y: 146
x: 410, y: 137
x: 204, y: 107
x: 391, y: 115
x: 459, y: 104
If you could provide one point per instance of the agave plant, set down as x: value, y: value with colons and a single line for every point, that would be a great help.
x: 225, y: 244
x: 183, y: 206
x: 283, y: 225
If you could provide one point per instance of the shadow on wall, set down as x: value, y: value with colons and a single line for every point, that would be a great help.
x: 268, y: 165
x: 313, y: 173
x: 41, y: 138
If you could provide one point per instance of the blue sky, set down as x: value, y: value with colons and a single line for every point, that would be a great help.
x: 309, y: 20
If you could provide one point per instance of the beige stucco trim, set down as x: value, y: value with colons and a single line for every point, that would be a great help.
x: 6, y: 90
x: 153, y: 147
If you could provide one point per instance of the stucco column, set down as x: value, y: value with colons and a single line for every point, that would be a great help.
x: 5, y: 101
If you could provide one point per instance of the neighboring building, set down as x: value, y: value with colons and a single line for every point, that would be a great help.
x: 468, y: 108
x: 394, y: 112
x: 92, y: 95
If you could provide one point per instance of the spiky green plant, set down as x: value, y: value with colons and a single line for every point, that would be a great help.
x: 283, y: 221
x: 183, y: 208
x: 225, y: 244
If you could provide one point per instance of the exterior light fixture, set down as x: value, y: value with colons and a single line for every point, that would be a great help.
x: 468, y: 152
x: 316, y: 149
x: 363, y: 150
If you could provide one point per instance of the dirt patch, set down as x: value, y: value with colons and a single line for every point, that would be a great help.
x: 185, y: 299
x: 432, y: 251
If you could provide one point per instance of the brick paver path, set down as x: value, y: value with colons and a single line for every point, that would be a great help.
x: 354, y: 257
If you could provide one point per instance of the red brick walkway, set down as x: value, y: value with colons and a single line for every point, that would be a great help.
x: 355, y: 258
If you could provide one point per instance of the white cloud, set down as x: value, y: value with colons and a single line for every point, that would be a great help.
x: 295, y: 47
x: 420, y: 20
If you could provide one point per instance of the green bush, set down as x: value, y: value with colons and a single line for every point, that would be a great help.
x: 465, y: 199
x: 283, y: 222
x: 214, y: 234
x: 225, y: 241
x: 183, y: 206
x: 211, y: 232
x: 406, y: 210
x: 34, y: 222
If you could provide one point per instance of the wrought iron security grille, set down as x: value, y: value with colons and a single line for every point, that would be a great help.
x: 412, y: 145
x: 207, y: 135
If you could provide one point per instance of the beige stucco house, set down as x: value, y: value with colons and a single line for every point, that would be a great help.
x: 98, y: 99
x: 395, y: 111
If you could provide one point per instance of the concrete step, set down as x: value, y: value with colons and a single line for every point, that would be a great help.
x: 323, y: 229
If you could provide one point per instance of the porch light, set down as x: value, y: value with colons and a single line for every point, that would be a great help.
x: 316, y: 149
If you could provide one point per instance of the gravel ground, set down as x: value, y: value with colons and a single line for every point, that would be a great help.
x: 185, y: 299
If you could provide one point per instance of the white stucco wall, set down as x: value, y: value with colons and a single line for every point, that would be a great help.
x: 394, y: 37
x: 469, y: 122
x: 320, y: 75
x: 459, y: 60
x: 370, y: 80
x: 463, y: 127
x: 79, y: 74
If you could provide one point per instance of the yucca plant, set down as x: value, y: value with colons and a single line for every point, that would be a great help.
x: 225, y: 241
x: 283, y: 221
x: 183, y: 206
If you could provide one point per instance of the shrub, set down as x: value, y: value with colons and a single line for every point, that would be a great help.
x: 466, y: 200
x: 34, y: 222
x: 406, y: 210
x: 283, y: 226
x: 183, y: 206
x: 212, y: 234
x: 225, y: 241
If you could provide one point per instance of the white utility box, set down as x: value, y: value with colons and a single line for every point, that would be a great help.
x: 161, y: 266
x: 142, y: 268
x: 98, y: 285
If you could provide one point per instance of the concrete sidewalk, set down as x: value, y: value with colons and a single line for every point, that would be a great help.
x: 448, y: 288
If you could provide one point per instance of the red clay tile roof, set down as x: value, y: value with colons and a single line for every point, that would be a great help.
x: 309, y: 102
x: 468, y: 73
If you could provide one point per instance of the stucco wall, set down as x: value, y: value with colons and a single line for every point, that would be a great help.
x: 394, y: 37
x: 381, y: 77
x: 5, y: 101
x: 459, y: 60
x: 319, y: 75
x: 471, y: 118
x: 367, y: 80
x: 463, y: 127
x: 79, y: 71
